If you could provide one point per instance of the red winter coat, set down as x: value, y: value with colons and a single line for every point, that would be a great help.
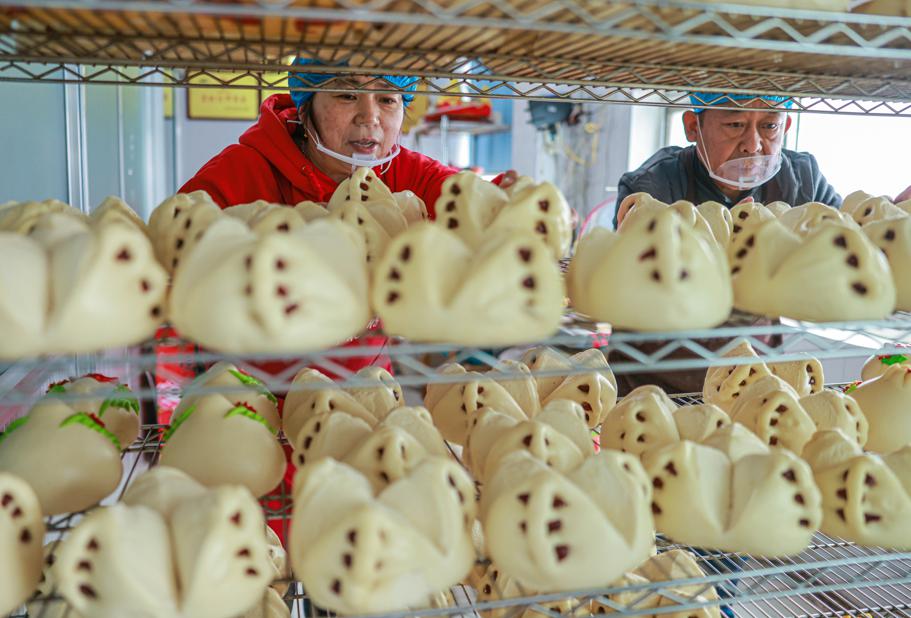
x: 268, y: 165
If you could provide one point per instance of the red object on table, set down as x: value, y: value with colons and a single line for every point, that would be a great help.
x: 460, y: 110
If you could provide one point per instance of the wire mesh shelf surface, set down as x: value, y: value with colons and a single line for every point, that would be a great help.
x: 418, y: 364
x: 635, y: 51
x: 830, y: 578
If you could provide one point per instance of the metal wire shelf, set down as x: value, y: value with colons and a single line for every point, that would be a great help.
x: 418, y: 364
x: 650, y: 52
x: 831, y: 578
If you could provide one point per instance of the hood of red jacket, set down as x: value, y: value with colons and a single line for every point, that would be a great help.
x: 273, y: 137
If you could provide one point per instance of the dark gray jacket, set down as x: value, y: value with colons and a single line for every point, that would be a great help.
x: 675, y: 173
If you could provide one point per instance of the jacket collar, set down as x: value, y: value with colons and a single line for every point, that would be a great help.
x: 273, y: 137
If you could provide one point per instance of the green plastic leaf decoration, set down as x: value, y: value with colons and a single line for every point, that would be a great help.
x: 125, y: 403
x: 850, y: 388
x: 87, y: 420
x: 176, y: 423
x: 13, y: 426
x: 895, y: 359
x: 256, y: 383
x: 252, y: 415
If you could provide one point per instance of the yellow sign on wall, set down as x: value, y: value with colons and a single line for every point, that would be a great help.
x: 279, y: 79
x: 168, y: 102
x: 415, y: 112
x: 223, y: 103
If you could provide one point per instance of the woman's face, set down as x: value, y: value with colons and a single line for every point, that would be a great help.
x: 363, y: 123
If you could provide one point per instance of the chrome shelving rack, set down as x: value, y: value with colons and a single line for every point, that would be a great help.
x: 420, y: 364
x: 652, y: 52
x: 648, y: 52
x: 831, y: 578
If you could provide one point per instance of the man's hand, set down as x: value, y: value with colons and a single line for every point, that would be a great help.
x: 747, y: 200
x: 903, y: 196
x: 626, y: 205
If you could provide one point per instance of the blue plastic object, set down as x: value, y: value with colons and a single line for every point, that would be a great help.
x: 304, y: 80
x: 720, y: 98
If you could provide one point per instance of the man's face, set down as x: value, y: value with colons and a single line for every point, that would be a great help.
x: 728, y: 135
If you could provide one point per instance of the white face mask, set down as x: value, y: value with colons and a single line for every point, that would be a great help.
x: 357, y: 160
x: 745, y: 173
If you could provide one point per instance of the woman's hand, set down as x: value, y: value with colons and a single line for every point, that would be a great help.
x: 509, y: 179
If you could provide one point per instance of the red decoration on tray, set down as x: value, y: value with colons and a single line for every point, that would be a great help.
x: 244, y: 404
x: 99, y: 377
x: 850, y: 388
x: 457, y: 109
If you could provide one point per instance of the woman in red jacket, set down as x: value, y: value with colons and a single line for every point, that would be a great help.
x: 306, y: 143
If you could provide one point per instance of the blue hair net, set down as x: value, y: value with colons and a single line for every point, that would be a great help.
x: 305, y: 80
x: 718, y: 98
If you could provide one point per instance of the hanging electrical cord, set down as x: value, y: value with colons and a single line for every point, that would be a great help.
x: 590, y: 128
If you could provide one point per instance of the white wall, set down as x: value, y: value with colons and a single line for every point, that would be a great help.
x: 125, y: 146
x: 454, y: 149
x: 33, y: 156
x: 197, y: 141
x: 649, y: 132
x: 858, y: 152
x: 122, y: 154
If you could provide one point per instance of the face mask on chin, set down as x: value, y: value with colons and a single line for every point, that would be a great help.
x: 745, y: 173
x: 356, y: 160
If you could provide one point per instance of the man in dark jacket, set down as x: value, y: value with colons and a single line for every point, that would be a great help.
x: 737, y: 155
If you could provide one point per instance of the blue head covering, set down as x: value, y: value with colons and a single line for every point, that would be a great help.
x: 719, y: 98
x: 305, y: 80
